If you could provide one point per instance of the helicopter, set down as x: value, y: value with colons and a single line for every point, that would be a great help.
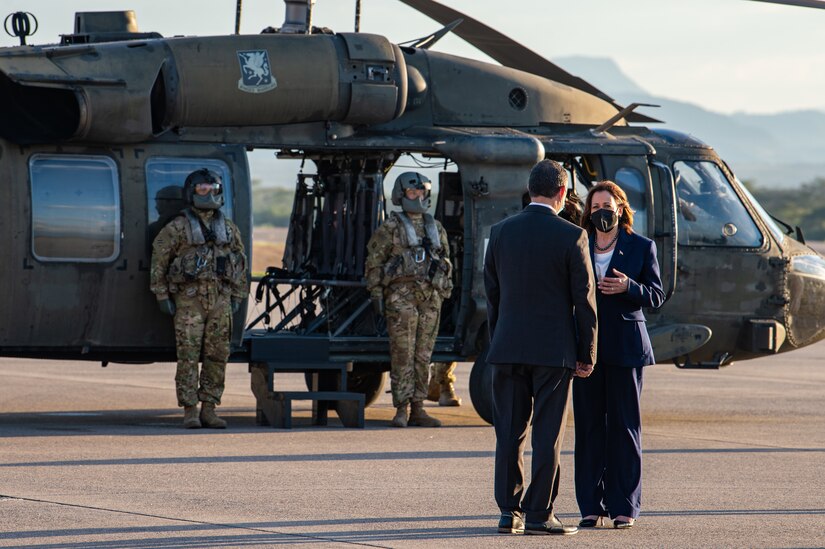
x: 99, y: 131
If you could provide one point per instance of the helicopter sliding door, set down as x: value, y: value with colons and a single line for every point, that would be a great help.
x: 632, y: 175
x: 449, y: 210
x: 64, y: 256
x: 79, y: 221
x: 165, y: 176
x: 649, y: 189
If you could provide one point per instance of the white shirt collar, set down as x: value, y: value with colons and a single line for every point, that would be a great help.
x: 548, y: 206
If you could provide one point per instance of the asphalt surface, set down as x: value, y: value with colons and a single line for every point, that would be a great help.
x: 94, y: 457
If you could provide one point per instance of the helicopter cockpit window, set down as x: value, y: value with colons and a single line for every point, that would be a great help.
x: 766, y: 217
x: 633, y: 184
x: 710, y: 211
x: 164, y: 188
x: 75, y: 208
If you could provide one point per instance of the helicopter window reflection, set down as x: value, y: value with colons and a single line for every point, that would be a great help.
x: 75, y: 208
x: 710, y: 211
x: 633, y: 184
x: 164, y: 189
x: 766, y: 217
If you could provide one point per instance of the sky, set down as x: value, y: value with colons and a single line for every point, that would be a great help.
x: 725, y: 55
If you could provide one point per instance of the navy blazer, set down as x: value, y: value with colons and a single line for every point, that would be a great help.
x: 623, y: 338
x: 541, y: 302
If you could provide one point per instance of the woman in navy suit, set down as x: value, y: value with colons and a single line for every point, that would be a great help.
x: 608, y: 419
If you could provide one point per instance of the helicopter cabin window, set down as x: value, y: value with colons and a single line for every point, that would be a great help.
x: 164, y: 189
x: 75, y: 208
x: 632, y: 183
x: 710, y: 211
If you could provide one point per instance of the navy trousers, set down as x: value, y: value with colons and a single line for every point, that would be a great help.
x: 608, y: 454
x: 520, y: 390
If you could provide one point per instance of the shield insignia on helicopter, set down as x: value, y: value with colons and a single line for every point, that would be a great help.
x: 256, y: 72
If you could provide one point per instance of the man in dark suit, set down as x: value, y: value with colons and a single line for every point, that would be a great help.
x: 541, y: 309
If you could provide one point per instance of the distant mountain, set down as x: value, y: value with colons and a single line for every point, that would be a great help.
x: 603, y: 73
x: 777, y: 150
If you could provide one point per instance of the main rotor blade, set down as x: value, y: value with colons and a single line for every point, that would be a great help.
x: 819, y: 4
x: 510, y: 53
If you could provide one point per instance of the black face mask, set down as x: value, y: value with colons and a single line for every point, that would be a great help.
x: 604, y: 220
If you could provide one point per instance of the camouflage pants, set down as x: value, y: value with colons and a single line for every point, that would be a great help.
x: 200, y: 329
x: 442, y: 372
x: 412, y: 324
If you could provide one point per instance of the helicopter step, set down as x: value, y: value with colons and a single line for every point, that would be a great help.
x: 275, y: 407
x: 269, y: 356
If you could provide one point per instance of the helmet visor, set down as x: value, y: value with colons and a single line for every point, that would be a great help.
x: 205, y: 188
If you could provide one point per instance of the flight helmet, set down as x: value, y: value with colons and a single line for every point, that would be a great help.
x: 213, y: 200
x: 411, y: 180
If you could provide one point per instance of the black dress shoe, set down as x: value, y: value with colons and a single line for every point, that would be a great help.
x: 623, y: 524
x: 589, y: 522
x: 511, y: 523
x: 552, y: 526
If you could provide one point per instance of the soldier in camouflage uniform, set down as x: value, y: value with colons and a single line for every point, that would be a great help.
x: 199, y: 276
x: 441, y: 388
x: 408, y: 275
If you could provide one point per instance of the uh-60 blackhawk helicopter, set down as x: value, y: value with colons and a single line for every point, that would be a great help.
x: 98, y: 132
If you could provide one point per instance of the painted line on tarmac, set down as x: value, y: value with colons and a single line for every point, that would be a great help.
x: 4, y: 497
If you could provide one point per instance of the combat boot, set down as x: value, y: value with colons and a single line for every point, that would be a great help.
x: 400, y: 419
x: 208, y: 417
x: 420, y: 418
x: 190, y: 417
x: 434, y: 390
x: 448, y: 396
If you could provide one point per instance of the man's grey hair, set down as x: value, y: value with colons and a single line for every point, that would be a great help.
x: 546, y: 179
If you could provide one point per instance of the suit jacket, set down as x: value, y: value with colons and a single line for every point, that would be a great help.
x: 623, y: 338
x: 541, y: 304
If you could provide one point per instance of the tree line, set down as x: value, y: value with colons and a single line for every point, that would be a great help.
x: 271, y: 205
x: 796, y: 207
x: 799, y: 206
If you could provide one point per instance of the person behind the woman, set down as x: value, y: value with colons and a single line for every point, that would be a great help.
x: 608, y: 454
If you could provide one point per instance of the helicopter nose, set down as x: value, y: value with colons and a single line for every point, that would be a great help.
x: 806, y: 288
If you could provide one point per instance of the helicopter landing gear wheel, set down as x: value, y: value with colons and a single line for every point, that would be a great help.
x: 481, y: 387
x: 366, y: 380
x: 369, y: 382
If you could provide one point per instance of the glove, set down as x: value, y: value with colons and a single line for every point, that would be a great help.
x: 378, y: 305
x: 236, y: 305
x: 167, y: 307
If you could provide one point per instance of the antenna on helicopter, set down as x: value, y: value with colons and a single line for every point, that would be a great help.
x: 21, y: 26
x: 238, y: 16
x: 618, y: 116
x: 429, y: 41
x: 357, y: 15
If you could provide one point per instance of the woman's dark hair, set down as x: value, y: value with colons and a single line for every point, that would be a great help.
x: 626, y: 221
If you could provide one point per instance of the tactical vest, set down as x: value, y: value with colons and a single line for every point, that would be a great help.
x: 207, y: 255
x: 420, y: 258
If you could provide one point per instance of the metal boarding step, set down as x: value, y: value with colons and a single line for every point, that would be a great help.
x: 270, y: 356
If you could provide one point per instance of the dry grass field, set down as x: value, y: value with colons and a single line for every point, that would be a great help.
x: 267, y: 248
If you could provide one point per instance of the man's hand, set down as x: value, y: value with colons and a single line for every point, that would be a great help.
x: 378, y: 305
x: 236, y: 305
x: 167, y: 307
x: 583, y: 369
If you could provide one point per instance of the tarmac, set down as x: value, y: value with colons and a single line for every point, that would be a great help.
x: 96, y: 457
